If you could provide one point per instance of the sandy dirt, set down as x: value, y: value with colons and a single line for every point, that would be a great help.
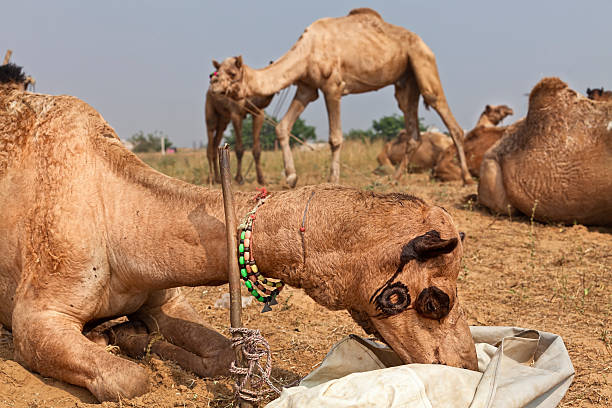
x: 515, y: 272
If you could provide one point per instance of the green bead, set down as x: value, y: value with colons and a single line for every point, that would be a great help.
x: 242, y: 235
x: 248, y: 284
x: 241, y: 260
x: 241, y: 248
x: 261, y: 299
x: 254, y: 293
x: 243, y: 272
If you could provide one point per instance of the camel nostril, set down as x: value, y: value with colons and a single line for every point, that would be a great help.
x: 433, y: 303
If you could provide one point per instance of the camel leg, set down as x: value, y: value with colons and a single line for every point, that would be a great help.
x: 51, y: 343
x: 258, y: 121
x: 211, y: 149
x: 167, y: 312
x: 221, y: 126
x: 407, y: 96
x: 303, y: 96
x: 237, y: 123
x: 491, y: 191
x: 134, y: 340
x: 332, y: 103
x: 428, y: 79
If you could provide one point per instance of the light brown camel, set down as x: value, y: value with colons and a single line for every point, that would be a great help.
x: 422, y: 154
x: 219, y: 111
x: 341, y: 56
x: 86, y: 236
x: 556, y: 163
x: 598, y: 94
x: 480, y: 139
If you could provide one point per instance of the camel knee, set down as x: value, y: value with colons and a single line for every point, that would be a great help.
x: 335, y: 142
x: 239, y: 151
x: 256, y: 153
x: 282, y: 133
x: 491, y: 191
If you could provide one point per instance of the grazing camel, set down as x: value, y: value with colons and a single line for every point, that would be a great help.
x: 555, y: 163
x: 85, y: 237
x: 599, y: 94
x: 484, y: 135
x: 219, y: 111
x: 341, y: 56
x: 422, y: 154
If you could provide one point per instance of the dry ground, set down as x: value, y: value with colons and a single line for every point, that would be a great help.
x: 516, y: 272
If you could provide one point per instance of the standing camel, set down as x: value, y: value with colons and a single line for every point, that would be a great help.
x: 341, y: 56
x: 219, y: 111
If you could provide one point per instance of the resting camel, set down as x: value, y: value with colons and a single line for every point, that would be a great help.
x: 422, y: 154
x: 85, y: 237
x: 599, y: 94
x: 484, y: 135
x: 341, y: 56
x: 219, y: 112
x: 556, y: 163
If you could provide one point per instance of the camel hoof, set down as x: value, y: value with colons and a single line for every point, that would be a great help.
x: 239, y: 180
x: 292, y: 180
x: 468, y: 181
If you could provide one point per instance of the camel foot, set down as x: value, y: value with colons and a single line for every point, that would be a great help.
x: 292, y: 180
x: 261, y: 181
x: 239, y: 179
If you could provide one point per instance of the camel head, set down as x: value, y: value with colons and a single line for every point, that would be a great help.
x: 495, y: 114
x: 228, y: 78
x: 407, y: 293
x: 13, y: 77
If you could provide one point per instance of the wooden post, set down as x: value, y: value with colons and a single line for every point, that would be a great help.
x: 232, y: 250
x: 163, y: 145
x: 7, y: 57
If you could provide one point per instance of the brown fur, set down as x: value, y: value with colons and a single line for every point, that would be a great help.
x: 559, y: 156
x: 599, y: 94
x: 85, y: 236
x: 422, y: 155
x: 340, y: 56
x: 480, y: 139
x: 219, y: 111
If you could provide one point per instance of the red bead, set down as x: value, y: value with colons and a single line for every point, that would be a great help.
x: 302, y: 229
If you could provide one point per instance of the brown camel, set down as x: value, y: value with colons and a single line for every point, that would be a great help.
x: 599, y: 94
x: 422, y: 154
x: 219, y: 111
x: 484, y: 135
x: 556, y: 163
x: 341, y: 56
x: 85, y: 236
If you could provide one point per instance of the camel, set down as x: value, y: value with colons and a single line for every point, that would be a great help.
x: 85, y: 237
x: 340, y: 56
x: 599, y: 94
x: 484, y: 135
x: 219, y: 111
x: 422, y: 155
x: 555, y: 164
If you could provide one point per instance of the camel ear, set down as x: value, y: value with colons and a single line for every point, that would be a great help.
x: 488, y: 108
x: 216, y: 64
x: 238, y: 61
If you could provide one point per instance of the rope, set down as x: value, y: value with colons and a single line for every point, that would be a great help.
x: 253, y: 347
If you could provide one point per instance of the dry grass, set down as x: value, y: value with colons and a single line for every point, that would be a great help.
x: 516, y: 272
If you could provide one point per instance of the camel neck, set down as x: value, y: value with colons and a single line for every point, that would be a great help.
x: 276, y: 76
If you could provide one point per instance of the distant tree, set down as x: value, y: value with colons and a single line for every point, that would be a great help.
x: 359, y: 134
x: 149, y: 143
x: 385, y: 128
x: 268, y: 134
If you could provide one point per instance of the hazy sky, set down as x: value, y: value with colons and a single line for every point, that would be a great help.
x: 144, y: 65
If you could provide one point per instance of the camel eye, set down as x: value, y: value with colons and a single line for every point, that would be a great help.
x: 394, y: 299
x: 232, y: 74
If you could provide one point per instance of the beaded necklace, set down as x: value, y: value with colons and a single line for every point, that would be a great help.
x: 261, y: 288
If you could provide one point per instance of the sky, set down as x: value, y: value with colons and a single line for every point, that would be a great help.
x: 144, y: 65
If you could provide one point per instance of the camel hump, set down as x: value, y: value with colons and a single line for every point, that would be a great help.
x: 546, y: 91
x: 364, y: 10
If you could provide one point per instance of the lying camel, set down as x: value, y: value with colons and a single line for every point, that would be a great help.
x: 484, y: 135
x: 556, y: 163
x: 599, y: 94
x: 85, y: 237
x: 340, y: 56
x: 422, y: 154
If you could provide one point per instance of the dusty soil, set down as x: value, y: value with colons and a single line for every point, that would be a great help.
x: 515, y: 272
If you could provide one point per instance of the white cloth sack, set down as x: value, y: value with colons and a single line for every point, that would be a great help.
x: 516, y: 368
